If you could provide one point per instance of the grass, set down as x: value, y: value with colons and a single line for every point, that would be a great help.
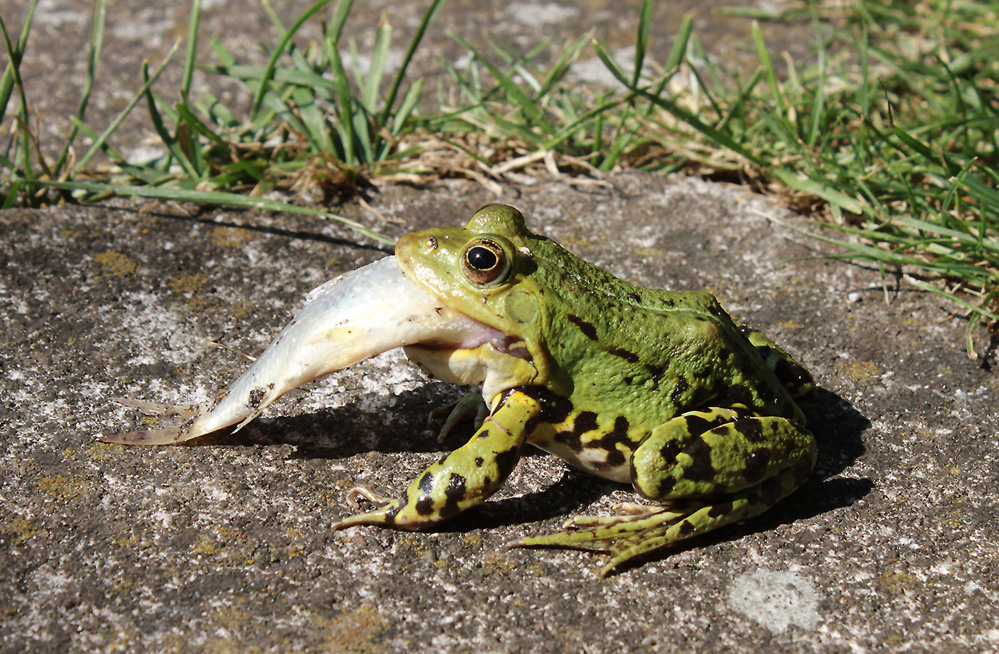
x: 889, y: 133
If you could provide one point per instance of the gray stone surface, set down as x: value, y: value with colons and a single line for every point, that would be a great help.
x: 222, y: 546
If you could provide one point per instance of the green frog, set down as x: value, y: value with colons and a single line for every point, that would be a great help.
x: 661, y: 390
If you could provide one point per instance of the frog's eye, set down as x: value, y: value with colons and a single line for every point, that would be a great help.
x: 485, y: 263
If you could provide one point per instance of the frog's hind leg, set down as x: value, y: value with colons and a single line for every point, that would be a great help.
x: 630, y: 535
x: 706, y: 469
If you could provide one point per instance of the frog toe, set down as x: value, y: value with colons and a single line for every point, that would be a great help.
x: 584, y: 540
x: 623, y: 536
x: 623, y: 513
x: 384, y: 516
x: 634, y: 508
x: 366, y: 493
x: 383, y: 513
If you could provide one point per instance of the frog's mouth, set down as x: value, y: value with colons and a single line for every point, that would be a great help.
x: 346, y: 320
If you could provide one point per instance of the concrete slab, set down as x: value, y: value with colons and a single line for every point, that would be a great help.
x: 223, y: 546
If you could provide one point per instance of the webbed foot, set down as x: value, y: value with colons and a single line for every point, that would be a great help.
x: 623, y: 536
x: 638, y: 529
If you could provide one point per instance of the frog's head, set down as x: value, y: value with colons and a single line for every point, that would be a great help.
x: 484, y: 271
x: 460, y: 300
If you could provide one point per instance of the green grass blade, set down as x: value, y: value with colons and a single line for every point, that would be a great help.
x: 218, y: 113
x: 736, y: 107
x: 216, y: 198
x: 344, y: 121
x: 985, y: 193
x: 865, y: 95
x: 679, y: 50
x: 519, y: 99
x: 515, y: 61
x: 925, y: 151
x: 281, y: 107
x: 272, y: 15
x: 977, y: 309
x: 10, y: 199
x: 345, y: 103
x: 567, y: 56
x: 818, y: 106
x: 819, y: 189
x: 286, y: 38
x: 7, y: 82
x: 23, y: 161
x: 362, y: 134
x: 401, y: 118
x: 188, y: 116
x: 712, y: 134
x: 956, y: 236
x: 314, y: 120
x: 414, y: 43
x: 621, y: 141
x: 253, y: 74
x: 514, y: 127
x: 611, y: 64
x: 192, y: 46
x: 339, y: 19
x: 14, y: 54
x: 221, y: 53
x: 100, y: 141
x: 97, y: 22
x: 641, y: 41
x: 171, y: 142
x: 372, y: 81
x: 764, y: 56
x: 144, y: 173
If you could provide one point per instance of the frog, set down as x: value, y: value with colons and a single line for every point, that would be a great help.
x: 660, y: 390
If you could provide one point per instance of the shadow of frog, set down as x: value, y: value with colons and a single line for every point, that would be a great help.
x: 398, y: 425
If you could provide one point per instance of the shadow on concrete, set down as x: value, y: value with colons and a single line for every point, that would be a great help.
x: 837, y: 427
x: 338, y: 433
x: 574, y: 490
x: 344, y: 432
x: 361, y: 243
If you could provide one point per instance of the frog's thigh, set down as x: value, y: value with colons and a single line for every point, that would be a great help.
x: 463, y: 478
x: 679, y: 462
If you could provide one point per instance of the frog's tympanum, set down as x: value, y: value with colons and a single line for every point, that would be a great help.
x: 657, y: 389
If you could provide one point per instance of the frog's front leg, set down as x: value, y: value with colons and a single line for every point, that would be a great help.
x: 706, y: 469
x: 462, y: 479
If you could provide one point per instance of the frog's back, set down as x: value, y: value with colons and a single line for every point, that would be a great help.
x: 652, y: 353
